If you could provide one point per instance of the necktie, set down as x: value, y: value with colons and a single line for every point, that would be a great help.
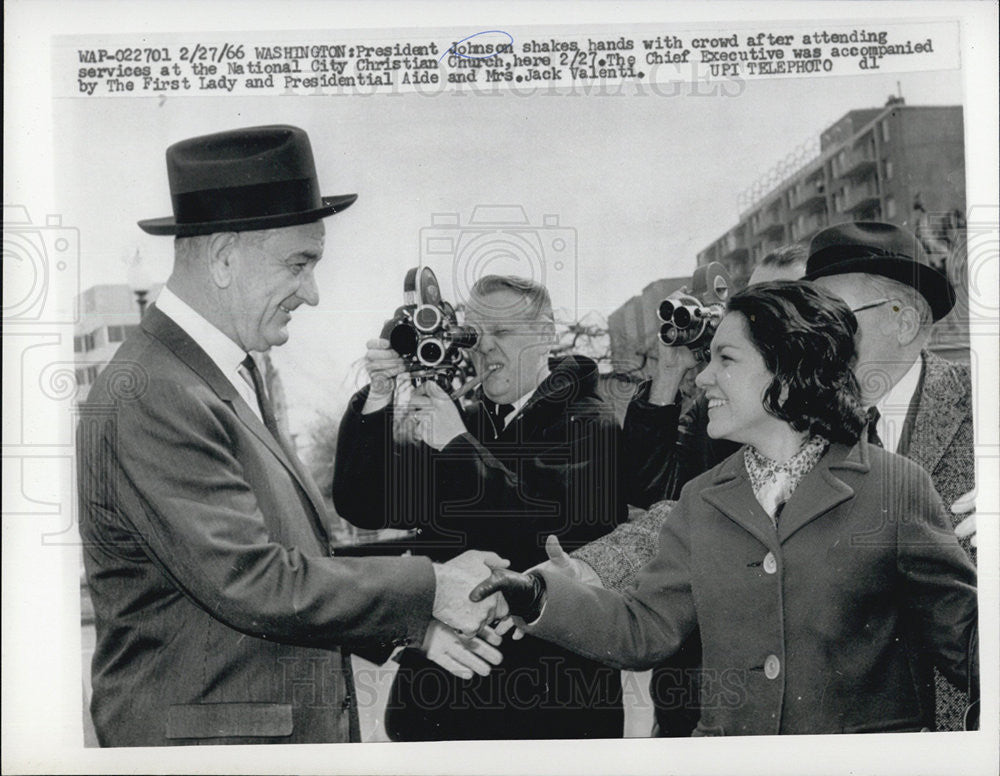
x: 873, y: 417
x: 266, y: 410
x: 497, y: 413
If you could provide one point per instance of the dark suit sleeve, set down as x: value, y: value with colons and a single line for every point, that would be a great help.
x: 361, y: 466
x: 201, y: 523
x: 939, y: 580
x: 664, y: 449
x: 635, y: 630
x: 649, y: 449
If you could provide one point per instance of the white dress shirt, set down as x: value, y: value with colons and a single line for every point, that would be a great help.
x: 225, y: 353
x: 894, y: 406
x: 519, y: 404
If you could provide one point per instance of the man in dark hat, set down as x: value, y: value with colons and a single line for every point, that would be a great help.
x: 919, y: 405
x: 219, y: 613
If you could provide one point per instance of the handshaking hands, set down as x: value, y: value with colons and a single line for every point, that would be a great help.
x: 461, y: 638
x: 452, y: 603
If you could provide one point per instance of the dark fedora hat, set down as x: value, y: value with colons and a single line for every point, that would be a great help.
x: 241, y: 180
x: 877, y: 248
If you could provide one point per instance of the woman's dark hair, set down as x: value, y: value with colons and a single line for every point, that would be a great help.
x: 806, y: 337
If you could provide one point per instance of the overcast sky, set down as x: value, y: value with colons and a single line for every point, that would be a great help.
x: 638, y: 185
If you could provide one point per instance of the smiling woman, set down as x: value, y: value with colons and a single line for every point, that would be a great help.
x: 819, y: 570
x: 781, y: 370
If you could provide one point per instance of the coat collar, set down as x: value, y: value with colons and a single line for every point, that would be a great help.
x: 571, y: 378
x: 944, y: 403
x: 161, y: 327
x: 822, y: 489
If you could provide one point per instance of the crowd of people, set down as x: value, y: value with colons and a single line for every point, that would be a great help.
x: 790, y: 550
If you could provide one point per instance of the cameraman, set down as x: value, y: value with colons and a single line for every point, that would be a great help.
x: 538, y: 455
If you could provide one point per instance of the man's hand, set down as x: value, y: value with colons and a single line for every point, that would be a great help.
x: 382, y: 364
x: 672, y: 364
x: 438, y: 420
x: 462, y: 657
x: 967, y: 527
x: 455, y: 579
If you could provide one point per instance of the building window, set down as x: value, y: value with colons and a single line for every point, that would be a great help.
x: 885, y: 130
x: 888, y: 170
x: 890, y: 207
x: 116, y: 333
x: 81, y: 376
x: 84, y: 343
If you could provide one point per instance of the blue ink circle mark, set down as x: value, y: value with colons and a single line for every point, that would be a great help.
x: 451, y: 50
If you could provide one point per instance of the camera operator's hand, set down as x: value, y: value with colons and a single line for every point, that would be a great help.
x: 438, y: 419
x: 672, y: 364
x: 382, y: 364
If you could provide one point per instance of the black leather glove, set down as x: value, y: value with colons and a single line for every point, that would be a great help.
x: 524, y: 593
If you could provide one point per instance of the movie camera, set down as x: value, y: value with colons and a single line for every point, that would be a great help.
x: 690, y: 317
x: 426, y: 333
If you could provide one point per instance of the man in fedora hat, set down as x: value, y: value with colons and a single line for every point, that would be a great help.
x: 219, y: 613
x: 919, y: 405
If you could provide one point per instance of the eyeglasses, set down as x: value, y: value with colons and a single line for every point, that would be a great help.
x: 877, y: 303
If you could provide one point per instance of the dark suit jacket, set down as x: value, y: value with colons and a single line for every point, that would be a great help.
x: 218, y: 614
x: 822, y: 626
x: 552, y: 470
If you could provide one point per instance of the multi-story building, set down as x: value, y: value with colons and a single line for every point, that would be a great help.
x: 902, y: 164
x: 107, y: 314
x: 898, y: 163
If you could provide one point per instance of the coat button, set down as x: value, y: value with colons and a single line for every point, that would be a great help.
x: 770, y: 564
x: 772, y: 667
x: 347, y: 702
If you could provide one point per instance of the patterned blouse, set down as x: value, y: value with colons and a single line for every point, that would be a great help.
x: 773, y: 483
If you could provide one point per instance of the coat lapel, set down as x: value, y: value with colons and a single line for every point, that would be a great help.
x: 731, y: 494
x: 160, y: 326
x: 822, y: 489
x: 939, y: 413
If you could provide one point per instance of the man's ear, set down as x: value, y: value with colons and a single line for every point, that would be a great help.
x: 221, y: 257
x: 550, y: 333
x: 907, y: 325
